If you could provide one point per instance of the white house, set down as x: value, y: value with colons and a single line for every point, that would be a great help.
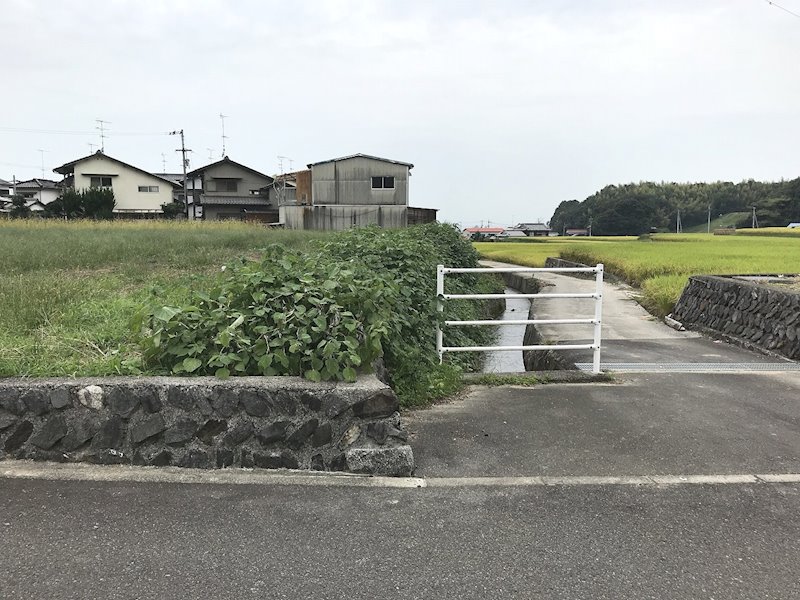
x: 38, y: 193
x: 136, y: 192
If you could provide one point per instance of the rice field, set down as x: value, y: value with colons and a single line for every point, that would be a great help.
x: 661, y: 265
x: 69, y: 291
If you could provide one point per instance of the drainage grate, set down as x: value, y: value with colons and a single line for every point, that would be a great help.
x: 691, y: 367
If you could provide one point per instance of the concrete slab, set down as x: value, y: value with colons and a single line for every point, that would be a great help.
x: 651, y: 424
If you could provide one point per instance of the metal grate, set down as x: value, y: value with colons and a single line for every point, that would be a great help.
x: 692, y: 367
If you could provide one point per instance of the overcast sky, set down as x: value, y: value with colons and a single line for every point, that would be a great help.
x: 505, y: 108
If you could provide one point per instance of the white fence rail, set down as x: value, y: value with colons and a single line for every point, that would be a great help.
x: 596, y: 321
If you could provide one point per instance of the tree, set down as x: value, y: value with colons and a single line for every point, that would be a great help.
x: 94, y: 203
x: 173, y: 210
x: 19, y: 207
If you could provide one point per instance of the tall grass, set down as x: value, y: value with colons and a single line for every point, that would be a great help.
x: 68, y: 290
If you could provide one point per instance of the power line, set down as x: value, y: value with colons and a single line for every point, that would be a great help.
x: 74, y: 132
x: 784, y: 9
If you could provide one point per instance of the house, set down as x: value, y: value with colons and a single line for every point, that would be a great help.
x: 513, y: 233
x: 481, y: 233
x: 227, y: 190
x: 38, y: 193
x: 576, y: 232
x: 6, y: 188
x: 793, y: 225
x: 353, y: 191
x: 534, y: 229
x: 137, y: 192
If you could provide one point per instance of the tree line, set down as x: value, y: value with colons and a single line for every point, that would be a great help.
x: 636, y: 208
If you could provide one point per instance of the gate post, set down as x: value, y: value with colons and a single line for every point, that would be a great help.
x: 598, y: 316
x: 439, y: 308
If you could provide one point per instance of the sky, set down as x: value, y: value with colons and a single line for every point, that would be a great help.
x: 506, y: 108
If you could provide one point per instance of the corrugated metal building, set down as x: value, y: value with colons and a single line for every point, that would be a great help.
x: 354, y: 191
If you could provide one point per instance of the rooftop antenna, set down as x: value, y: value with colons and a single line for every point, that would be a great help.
x: 210, y: 154
x: 101, y: 125
x: 91, y: 147
x: 224, y: 137
x: 280, y: 184
x: 41, y: 153
x: 163, y: 162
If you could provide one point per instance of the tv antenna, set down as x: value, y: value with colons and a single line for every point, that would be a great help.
x: 101, y: 126
x: 224, y: 137
x: 91, y: 147
x: 41, y: 153
x: 210, y: 154
x: 163, y: 162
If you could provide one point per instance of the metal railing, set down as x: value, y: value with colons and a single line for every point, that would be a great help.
x: 596, y: 321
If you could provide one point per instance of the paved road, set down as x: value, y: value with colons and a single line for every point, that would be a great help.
x: 648, y: 424
x: 78, y: 540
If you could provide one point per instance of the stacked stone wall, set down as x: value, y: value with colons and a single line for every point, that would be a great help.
x: 251, y: 422
x: 753, y: 314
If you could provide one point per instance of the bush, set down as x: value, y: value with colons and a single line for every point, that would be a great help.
x: 94, y: 203
x: 329, y: 312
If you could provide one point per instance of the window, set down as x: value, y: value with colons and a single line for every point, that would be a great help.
x: 100, y: 182
x: 148, y: 188
x: 226, y: 185
x: 383, y: 183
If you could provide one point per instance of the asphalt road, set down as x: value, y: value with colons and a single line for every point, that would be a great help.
x: 86, y: 540
x: 659, y: 423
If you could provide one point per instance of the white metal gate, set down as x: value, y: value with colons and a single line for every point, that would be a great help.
x: 597, y: 296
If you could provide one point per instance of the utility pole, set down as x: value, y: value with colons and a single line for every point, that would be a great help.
x: 678, y: 226
x: 708, y: 230
x: 101, y: 126
x: 754, y: 224
x: 183, y: 150
x: 224, y: 137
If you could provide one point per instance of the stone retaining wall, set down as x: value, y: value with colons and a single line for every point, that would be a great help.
x: 203, y: 422
x: 746, y: 312
x: 558, y: 263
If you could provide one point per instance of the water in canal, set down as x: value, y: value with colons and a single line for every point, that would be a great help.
x: 509, y: 335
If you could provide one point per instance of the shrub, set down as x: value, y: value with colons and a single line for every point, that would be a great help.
x: 329, y: 312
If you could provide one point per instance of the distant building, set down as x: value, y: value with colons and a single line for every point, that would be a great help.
x: 793, y: 225
x: 534, y: 229
x: 353, y: 191
x: 477, y: 233
x: 226, y: 190
x: 5, y: 188
x: 513, y: 232
x: 38, y: 193
x: 576, y: 232
x: 137, y: 193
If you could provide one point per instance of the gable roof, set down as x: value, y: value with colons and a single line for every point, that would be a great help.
x: 359, y: 155
x: 484, y: 229
x: 37, y: 184
x: 226, y: 160
x: 69, y: 167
